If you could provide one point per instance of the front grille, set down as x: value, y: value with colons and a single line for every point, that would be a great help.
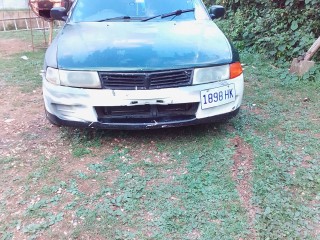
x: 146, y: 80
x: 145, y: 113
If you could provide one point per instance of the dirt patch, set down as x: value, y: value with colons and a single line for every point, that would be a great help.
x: 28, y: 142
x: 12, y: 46
x: 19, y: 113
x: 317, y: 135
x: 305, y: 163
x: 255, y: 110
x: 241, y: 174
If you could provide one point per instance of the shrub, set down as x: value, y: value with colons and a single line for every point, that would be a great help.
x: 280, y: 29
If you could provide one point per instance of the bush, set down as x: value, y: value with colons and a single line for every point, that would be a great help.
x: 280, y: 29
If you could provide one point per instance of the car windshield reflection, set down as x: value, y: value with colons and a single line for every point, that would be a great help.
x: 133, y: 10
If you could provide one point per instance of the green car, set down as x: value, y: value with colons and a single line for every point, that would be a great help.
x: 140, y: 64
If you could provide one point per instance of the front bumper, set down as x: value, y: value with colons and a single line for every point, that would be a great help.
x: 77, y: 107
x: 138, y: 126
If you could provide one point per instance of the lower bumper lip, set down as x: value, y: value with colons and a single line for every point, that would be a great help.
x: 140, y: 125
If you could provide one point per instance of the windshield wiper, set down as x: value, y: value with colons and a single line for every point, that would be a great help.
x: 114, y: 18
x: 174, y: 13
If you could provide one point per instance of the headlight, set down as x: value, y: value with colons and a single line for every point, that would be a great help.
x: 211, y: 74
x: 52, y: 76
x: 217, y: 73
x: 81, y: 79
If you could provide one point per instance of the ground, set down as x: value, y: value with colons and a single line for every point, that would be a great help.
x: 11, y: 46
x: 206, y: 182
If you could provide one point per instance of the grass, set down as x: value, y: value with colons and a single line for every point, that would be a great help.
x: 22, y: 73
x: 178, y: 203
x: 177, y: 183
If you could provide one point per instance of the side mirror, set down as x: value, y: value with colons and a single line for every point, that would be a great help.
x: 59, y: 13
x: 216, y: 11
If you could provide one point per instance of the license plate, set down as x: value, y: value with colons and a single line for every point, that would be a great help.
x: 218, y: 96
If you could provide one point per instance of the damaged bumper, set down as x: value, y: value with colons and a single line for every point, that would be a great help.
x: 137, y: 109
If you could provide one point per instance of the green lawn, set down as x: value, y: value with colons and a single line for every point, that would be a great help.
x: 255, y: 177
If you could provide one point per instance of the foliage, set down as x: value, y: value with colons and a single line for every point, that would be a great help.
x: 280, y: 29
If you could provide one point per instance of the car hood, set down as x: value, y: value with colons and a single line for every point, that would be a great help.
x: 136, y: 46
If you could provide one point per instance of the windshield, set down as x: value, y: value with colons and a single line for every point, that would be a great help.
x: 136, y: 10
